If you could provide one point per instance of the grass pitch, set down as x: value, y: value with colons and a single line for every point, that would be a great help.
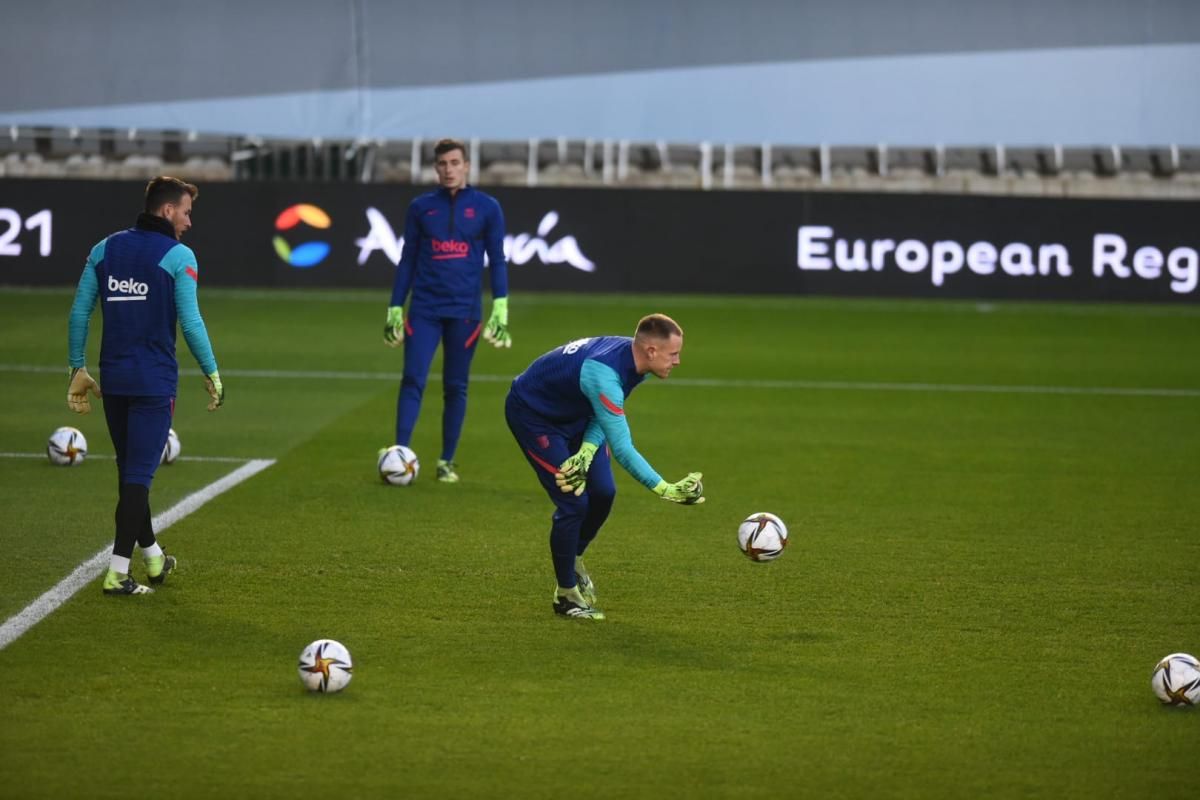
x: 993, y: 539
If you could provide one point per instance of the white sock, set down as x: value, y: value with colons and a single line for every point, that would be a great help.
x: 119, y: 565
x: 152, y: 551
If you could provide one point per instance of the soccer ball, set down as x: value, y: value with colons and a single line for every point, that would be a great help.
x: 762, y: 536
x: 67, y: 447
x: 325, y: 666
x: 398, y: 465
x: 171, y: 449
x: 1176, y: 680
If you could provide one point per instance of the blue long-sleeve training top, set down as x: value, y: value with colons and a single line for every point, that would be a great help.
x: 587, y: 380
x: 145, y: 281
x: 445, y: 239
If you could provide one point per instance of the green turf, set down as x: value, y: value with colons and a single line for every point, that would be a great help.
x: 977, y: 586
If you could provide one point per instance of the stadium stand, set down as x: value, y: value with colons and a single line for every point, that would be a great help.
x: 1169, y: 171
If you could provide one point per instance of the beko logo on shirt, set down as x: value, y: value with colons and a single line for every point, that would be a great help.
x: 451, y: 249
x: 127, y: 289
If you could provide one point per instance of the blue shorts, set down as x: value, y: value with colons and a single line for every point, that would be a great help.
x: 138, y: 427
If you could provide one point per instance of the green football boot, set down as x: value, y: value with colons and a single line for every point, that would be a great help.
x: 447, y: 471
x: 117, y: 584
x: 159, y: 567
x: 585, y: 584
x: 569, y: 603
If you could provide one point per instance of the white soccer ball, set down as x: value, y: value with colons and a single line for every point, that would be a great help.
x: 67, y: 447
x: 762, y: 536
x: 172, y: 448
x: 1176, y: 680
x: 398, y: 465
x: 325, y: 666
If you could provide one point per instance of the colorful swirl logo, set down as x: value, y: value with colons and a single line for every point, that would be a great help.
x: 308, y: 254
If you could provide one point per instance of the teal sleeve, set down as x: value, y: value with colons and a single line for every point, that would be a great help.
x: 594, y: 433
x: 602, y: 388
x: 180, y: 262
x: 81, y: 310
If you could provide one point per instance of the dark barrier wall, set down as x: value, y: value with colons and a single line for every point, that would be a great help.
x: 650, y: 240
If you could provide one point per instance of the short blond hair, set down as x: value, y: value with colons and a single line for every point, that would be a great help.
x: 657, y: 326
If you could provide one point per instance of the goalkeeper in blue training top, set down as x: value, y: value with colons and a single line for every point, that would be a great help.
x: 447, y: 232
x: 567, y: 412
x: 144, y: 281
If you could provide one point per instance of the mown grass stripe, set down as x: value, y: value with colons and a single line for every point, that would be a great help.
x: 715, y: 383
x: 85, y: 573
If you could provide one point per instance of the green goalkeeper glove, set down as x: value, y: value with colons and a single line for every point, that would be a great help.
x: 689, y: 491
x: 393, y: 331
x: 572, y: 473
x: 212, y: 385
x: 496, y: 330
x: 81, y: 383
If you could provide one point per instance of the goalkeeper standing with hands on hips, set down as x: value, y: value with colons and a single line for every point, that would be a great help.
x: 145, y: 281
x: 446, y: 234
x: 572, y: 400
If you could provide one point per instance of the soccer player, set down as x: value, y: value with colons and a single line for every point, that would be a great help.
x: 446, y: 234
x: 145, y: 280
x: 572, y: 400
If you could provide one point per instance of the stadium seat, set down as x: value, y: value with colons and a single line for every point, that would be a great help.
x: 567, y: 162
x: 795, y: 167
x: 17, y: 139
x: 503, y: 163
x: 680, y: 166
x: 1161, y: 162
x: 738, y: 167
x: 130, y: 153
x: 78, y: 165
x: 1101, y: 161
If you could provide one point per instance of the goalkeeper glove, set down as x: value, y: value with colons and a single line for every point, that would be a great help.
x: 81, y: 383
x: 689, y: 491
x: 393, y: 331
x: 212, y: 384
x: 496, y: 330
x: 572, y: 473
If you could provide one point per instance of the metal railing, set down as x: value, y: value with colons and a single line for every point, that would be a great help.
x: 1170, y: 170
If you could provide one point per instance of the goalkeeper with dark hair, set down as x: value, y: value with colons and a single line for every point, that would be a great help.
x: 145, y: 281
x: 447, y: 232
x: 567, y: 413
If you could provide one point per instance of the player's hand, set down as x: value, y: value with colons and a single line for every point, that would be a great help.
x: 393, y: 331
x: 688, y: 491
x: 81, y: 383
x: 212, y: 385
x: 496, y: 330
x: 572, y: 473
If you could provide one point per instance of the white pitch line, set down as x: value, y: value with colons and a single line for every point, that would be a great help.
x: 978, y: 388
x: 715, y: 383
x: 85, y: 573
x: 721, y: 302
